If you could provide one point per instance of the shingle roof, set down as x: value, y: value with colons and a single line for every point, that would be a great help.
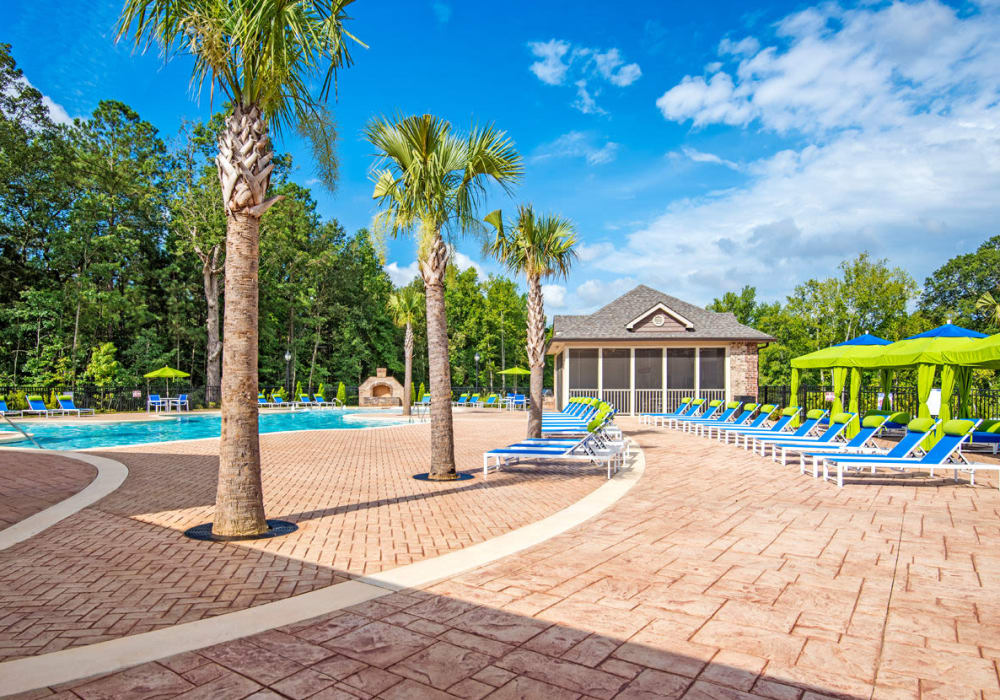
x: 609, y: 322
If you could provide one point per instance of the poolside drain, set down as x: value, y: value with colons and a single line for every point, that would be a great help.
x: 460, y: 476
x: 275, y: 528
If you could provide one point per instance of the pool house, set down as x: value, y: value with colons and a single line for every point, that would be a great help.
x: 645, y: 350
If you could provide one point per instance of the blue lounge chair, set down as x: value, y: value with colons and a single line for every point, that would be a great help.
x: 862, y: 443
x: 693, y: 411
x: 321, y: 400
x: 462, y: 400
x: 987, y: 433
x: 4, y: 411
x: 263, y: 402
x: 473, y: 400
x: 763, y: 413
x: 277, y: 401
x: 491, y: 401
x: 67, y: 406
x: 781, y: 426
x: 804, y: 432
x: 711, y: 410
x: 942, y: 454
x: 579, y: 423
x: 728, y: 410
x: 744, y: 418
x: 681, y: 407
x: 833, y: 438
x: 36, y: 406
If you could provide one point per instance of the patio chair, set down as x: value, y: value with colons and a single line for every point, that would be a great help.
x: 153, y: 401
x: 4, y: 411
x: 942, y: 454
x: 691, y: 412
x: 681, y: 407
x: 782, y: 426
x: 462, y: 400
x: 67, y: 406
x: 803, y: 432
x: 183, y: 403
x: 748, y: 410
x: 36, y: 406
x: 763, y: 413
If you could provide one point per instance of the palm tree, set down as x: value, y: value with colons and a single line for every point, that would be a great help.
x: 404, y: 305
x: 540, y: 247
x: 427, y: 180
x: 262, y: 55
x: 989, y: 305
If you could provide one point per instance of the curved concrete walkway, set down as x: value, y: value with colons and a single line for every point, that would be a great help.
x: 31, y: 673
x: 110, y: 475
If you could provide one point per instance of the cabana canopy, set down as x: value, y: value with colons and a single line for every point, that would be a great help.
x: 982, y: 354
x: 927, y: 348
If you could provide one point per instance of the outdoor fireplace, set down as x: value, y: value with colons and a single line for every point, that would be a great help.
x: 380, y: 390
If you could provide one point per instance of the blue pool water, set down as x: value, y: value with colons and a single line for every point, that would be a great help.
x: 84, y: 435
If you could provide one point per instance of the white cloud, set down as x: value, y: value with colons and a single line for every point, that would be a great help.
x: 587, y: 65
x: 441, y: 11
x: 578, y: 144
x: 402, y: 275
x: 57, y: 113
x: 595, y: 293
x: 702, y: 157
x: 464, y: 262
x: 554, y: 295
x: 550, y: 69
x: 744, y: 47
x: 896, y: 110
x: 611, y: 65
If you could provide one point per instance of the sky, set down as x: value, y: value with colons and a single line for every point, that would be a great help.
x: 697, y: 147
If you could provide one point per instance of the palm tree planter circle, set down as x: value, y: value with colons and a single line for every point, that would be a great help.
x: 459, y: 476
x: 275, y: 528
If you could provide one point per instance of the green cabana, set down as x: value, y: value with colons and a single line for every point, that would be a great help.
x: 840, y: 359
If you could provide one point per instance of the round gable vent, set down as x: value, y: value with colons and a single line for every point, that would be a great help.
x: 659, y: 320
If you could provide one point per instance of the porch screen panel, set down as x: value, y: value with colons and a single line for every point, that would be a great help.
x: 712, y: 368
x: 680, y: 368
x: 557, y: 379
x: 616, y: 368
x: 648, y: 368
x: 583, y: 369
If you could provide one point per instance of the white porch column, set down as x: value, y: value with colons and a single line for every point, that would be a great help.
x: 600, y: 373
x: 697, y: 372
x: 631, y: 381
x: 663, y: 378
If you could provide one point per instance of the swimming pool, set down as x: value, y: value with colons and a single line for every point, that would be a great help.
x: 85, y: 435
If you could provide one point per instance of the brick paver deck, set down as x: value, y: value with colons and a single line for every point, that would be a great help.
x: 122, y: 567
x: 33, y: 482
x: 720, y: 575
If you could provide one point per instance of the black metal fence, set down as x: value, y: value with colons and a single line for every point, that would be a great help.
x: 983, y: 403
x: 100, y: 398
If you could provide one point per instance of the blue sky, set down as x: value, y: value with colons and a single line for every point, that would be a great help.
x: 698, y: 147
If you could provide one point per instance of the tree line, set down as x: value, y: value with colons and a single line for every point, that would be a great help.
x: 870, y: 295
x: 113, y: 252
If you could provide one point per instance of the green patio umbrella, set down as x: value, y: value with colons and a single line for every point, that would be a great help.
x: 515, y: 372
x: 167, y: 373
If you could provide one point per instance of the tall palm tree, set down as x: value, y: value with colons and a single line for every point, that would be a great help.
x: 990, y: 306
x: 540, y: 247
x: 429, y: 180
x: 405, y: 305
x: 262, y: 55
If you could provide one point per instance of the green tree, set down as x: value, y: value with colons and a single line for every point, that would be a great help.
x: 342, y: 393
x: 103, y: 369
x: 742, y: 304
x: 953, y: 291
x: 406, y: 305
x: 540, y: 246
x: 263, y: 57
x: 427, y: 179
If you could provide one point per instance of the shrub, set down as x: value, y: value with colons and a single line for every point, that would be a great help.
x: 342, y: 393
x: 420, y: 394
x: 298, y: 390
x: 321, y: 390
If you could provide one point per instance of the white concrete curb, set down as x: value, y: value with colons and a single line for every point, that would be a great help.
x: 33, y: 672
x: 110, y: 475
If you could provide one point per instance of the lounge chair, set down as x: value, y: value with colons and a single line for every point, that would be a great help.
x: 263, y: 402
x: 681, y: 407
x: 4, y: 411
x: 67, y: 406
x: 744, y: 417
x: 781, y: 426
x: 278, y: 402
x: 36, y: 406
x: 473, y: 401
x: 942, y: 454
x: 987, y: 433
x: 491, y: 401
x: 711, y: 411
x: 580, y: 423
x: 462, y: 400
x: 804, y: 432
x: 320, y: 400
x: 862, y: 443
x: 763, y: 413
x: 832, y: 438
x: 728, y: 410
x: 692, y: 411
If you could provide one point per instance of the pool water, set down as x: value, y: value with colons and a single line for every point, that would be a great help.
x: 85, y: 435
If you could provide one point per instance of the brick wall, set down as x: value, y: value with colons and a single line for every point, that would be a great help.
x: 743, y: 370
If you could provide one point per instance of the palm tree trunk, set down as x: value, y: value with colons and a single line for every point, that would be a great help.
x: 536, y: 353
x: 213, y: 346
x: 244, y: 165
x: 408, y: 374
x: 239, y: 499
x: 442, y: 433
